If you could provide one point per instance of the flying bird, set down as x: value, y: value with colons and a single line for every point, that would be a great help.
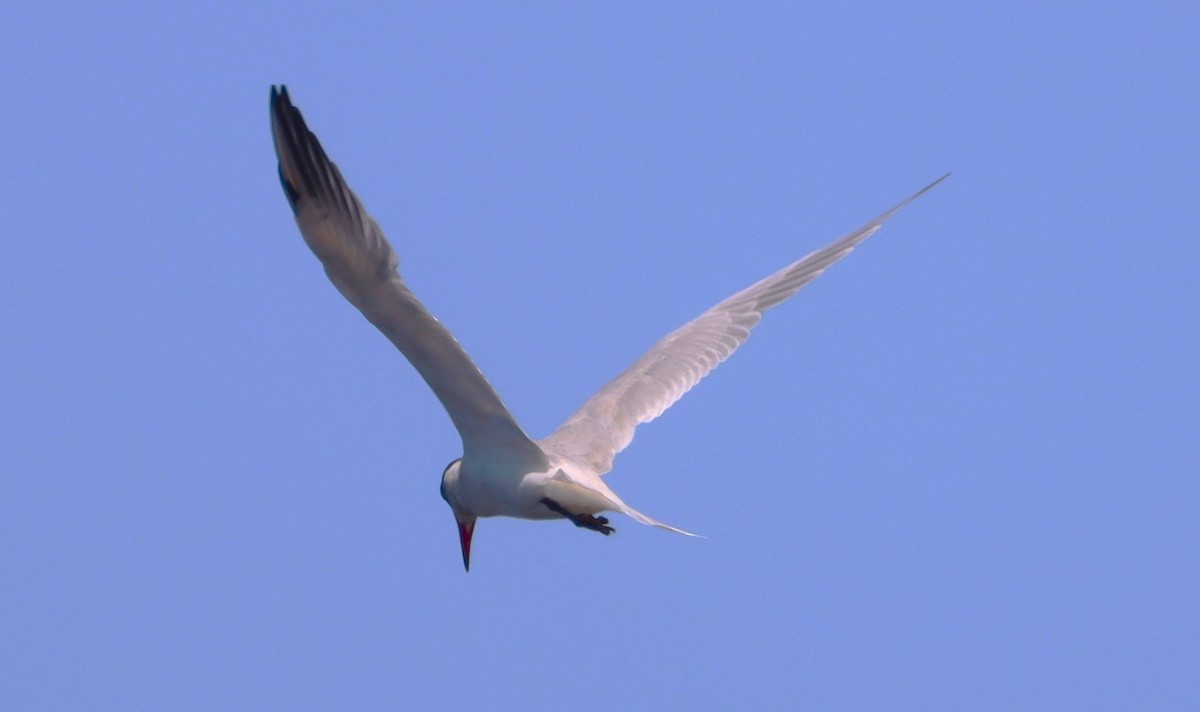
x: 502, y: 471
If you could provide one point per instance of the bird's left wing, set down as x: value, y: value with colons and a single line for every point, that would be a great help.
x: 362, y: 265
x: 604, y: 424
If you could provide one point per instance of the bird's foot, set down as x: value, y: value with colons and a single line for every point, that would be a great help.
x: 596, y: 524
x: 586, y: 521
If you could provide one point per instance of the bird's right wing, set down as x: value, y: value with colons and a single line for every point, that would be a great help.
x: 604, y: 424
x: 361, y: 264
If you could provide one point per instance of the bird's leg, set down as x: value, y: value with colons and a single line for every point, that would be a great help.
x: 587, y: 521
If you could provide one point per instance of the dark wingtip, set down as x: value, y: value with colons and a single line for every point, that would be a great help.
x: 288, y: 189
x: 280, y: 101
x: 929, y: 187
x: 281, y: 109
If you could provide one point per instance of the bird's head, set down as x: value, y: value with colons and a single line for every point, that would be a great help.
x: 465, y: 520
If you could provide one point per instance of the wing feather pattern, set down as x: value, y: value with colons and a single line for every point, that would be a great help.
x: 362, y: 265
x: 605, y: 423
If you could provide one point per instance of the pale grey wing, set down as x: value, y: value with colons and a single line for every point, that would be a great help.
x: 604, y: 425
x: 362, y: 265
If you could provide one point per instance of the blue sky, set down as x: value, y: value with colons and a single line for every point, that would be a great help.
x: 958, y: 471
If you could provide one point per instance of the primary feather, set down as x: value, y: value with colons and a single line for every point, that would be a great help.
x: 604, y: 425
x: 362, y: 265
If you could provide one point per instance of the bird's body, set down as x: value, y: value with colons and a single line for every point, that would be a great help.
x: 487, y: 489
x: 503, y: 472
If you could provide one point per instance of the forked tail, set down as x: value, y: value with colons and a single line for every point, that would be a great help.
x: 642, y: 518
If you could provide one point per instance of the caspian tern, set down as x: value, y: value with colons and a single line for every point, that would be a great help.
x: 502, y: 472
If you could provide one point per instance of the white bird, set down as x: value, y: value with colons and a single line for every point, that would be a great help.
x: 502, y: 471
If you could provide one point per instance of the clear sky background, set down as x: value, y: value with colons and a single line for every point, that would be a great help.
x: 958, y: 471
